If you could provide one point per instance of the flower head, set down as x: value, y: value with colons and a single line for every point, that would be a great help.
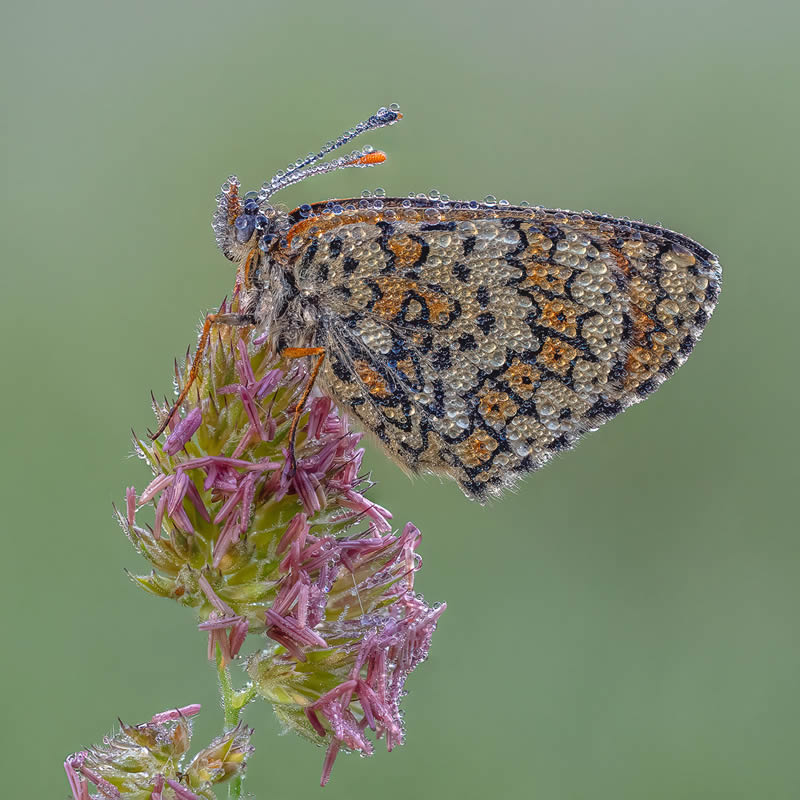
x: 287, y: 552
x: 349, y: 673
x: 145, y: 762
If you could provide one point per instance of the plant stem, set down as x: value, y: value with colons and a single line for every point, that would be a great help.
x: 233, y: 702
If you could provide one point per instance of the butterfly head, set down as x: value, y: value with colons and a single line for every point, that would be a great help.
x: 243, y: 222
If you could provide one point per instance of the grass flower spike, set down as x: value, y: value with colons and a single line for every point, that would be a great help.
x: 285, y: 555
x: 145, y: 762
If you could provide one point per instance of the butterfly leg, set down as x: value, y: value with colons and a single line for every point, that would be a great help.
x: 234, y: 320
x: 301, y: 352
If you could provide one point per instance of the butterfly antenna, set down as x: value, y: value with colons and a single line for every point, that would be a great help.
x: 367, y: 157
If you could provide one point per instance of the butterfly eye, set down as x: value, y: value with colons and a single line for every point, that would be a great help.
x: 244, y: 225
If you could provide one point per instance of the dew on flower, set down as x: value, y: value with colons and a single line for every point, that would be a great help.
x: 285, y: 562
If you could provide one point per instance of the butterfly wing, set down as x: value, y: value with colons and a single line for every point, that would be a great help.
x: 478, y: 340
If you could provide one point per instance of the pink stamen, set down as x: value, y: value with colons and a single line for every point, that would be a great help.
x: 327, y: 764
x: 217, y: 623
x: 176, y: 713
x: 183, y: 431
x: 312, y: 717
x: 80, y: 791
x: 130, y: 503
x: 288, y: 626
x: 237, y: 636
x: 160, y: 509
x: 228, y: 535
x: 155, y: 486
x: 197, y: 501
x: 182, y: 792
x: 213, y: 598
x: 106, y: 789
x: 297, y: 528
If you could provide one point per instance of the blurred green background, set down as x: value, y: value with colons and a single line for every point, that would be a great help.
x: 625, y: 625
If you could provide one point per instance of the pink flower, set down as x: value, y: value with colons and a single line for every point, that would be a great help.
x: 287, y: 554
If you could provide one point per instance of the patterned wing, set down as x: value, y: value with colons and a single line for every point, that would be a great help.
x: 478, y: 340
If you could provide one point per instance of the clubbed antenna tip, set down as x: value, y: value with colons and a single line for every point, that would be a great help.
x: 367, y: 157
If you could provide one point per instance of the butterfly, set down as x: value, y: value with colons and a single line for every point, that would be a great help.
x: 473, y: 340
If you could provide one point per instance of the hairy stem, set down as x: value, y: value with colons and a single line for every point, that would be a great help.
x: 233, y: 702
